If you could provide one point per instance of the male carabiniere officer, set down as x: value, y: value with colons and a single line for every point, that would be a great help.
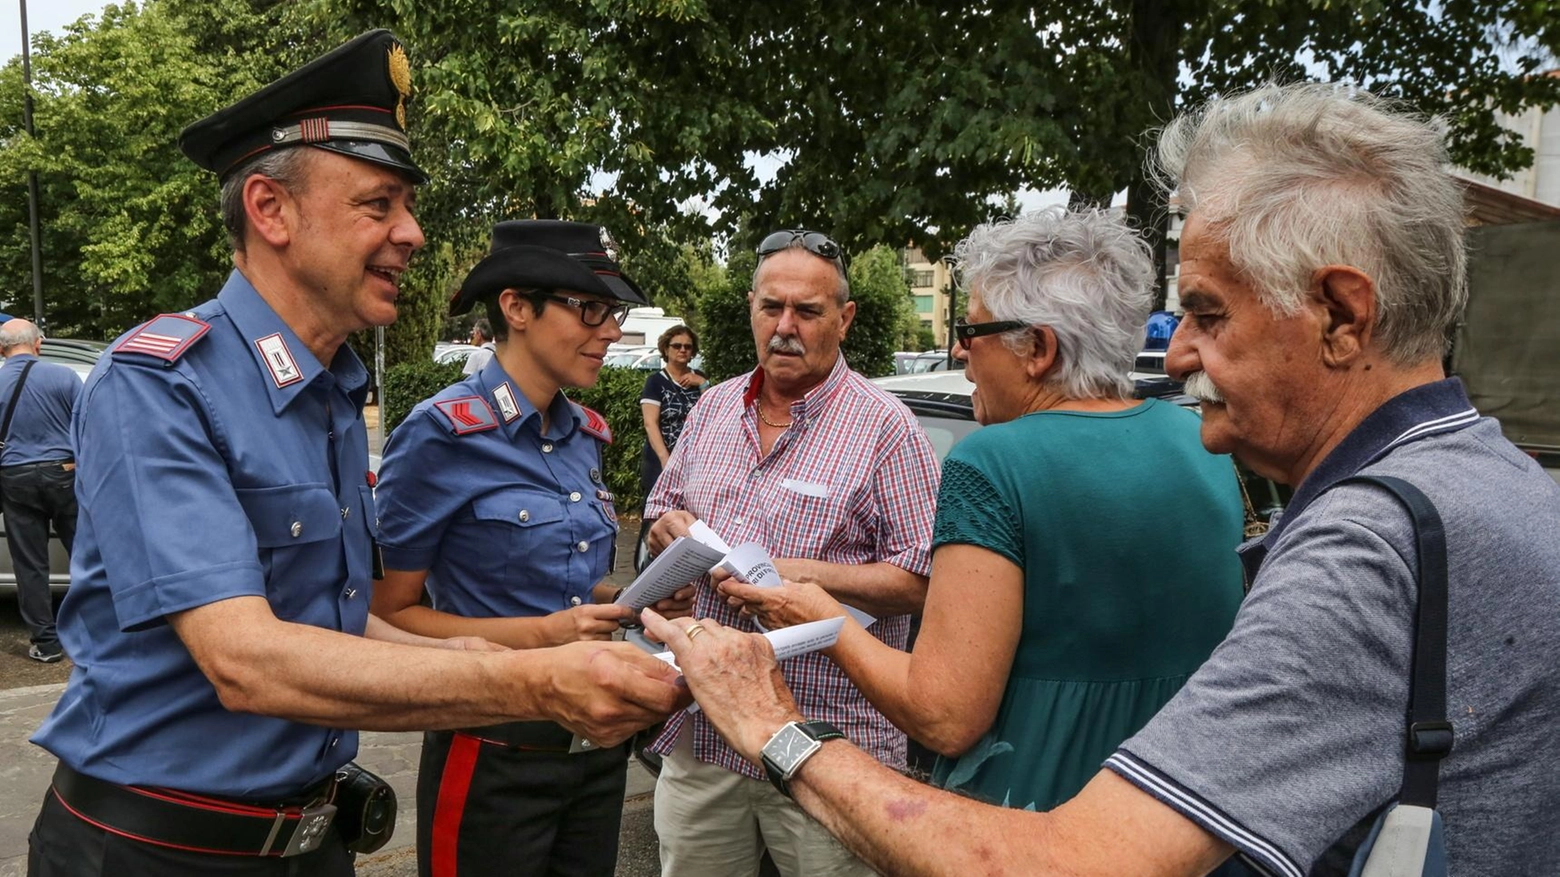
x: 224, y: 563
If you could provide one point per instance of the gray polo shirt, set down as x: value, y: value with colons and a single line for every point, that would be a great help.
x: 1289, y: 741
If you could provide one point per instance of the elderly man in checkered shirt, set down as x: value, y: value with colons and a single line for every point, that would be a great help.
x: 836, y: 478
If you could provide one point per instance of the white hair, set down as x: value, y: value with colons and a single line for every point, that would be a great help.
x: 1294, y: 178
x: 25, y: 336
x: 1085, y: 274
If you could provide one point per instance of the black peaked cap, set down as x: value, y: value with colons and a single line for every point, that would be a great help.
x: 351, y: 100
x: 548, y: 254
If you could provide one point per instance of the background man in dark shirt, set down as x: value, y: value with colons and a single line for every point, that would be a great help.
x: 37, y: 475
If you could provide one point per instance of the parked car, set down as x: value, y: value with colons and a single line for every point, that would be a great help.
x: 941, y: 402
x: 444, y: 353
x: 932, y: 361
x: 630, y: 355
x: 77, y: 354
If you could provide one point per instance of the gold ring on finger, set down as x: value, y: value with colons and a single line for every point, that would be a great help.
x: 694, y: 630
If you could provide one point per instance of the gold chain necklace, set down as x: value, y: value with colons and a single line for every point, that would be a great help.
x: 768, y: 422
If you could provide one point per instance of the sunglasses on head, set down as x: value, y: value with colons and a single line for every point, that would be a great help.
x: 815, y: 242
x: 965, y: 332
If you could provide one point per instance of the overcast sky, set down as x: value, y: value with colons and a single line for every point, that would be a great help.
x: 50, y: 15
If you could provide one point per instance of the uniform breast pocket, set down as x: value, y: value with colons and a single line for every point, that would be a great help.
x: 526, y: 522
x: 297, y: 529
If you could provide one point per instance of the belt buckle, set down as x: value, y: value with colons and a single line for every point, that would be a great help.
x: 313, y: 822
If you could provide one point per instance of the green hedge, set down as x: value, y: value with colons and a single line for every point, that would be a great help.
x: 409, y: 383
x: 616, y: 396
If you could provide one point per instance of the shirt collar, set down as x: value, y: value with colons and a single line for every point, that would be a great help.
x: 497, y: 388
x: 286, y: 366
x: 815, y: 401
x: 1416, y: 413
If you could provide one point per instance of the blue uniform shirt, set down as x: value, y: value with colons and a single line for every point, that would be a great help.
x: 508, y: 521
x: 213, y: 463
x: 40, y: 431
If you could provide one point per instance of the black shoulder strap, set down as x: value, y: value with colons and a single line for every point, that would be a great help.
x: 1429, y: 733
x: 10, y: 410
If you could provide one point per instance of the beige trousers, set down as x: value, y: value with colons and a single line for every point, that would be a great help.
x: 716, y: 823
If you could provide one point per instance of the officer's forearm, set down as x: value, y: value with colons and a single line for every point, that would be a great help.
x: 259, y: 664
x: 516, y: 633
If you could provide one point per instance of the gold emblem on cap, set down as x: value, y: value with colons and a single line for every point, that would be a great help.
x: 401, y: 77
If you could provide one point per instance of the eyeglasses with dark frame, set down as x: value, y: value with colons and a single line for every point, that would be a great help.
x: 815, y: 242
x: 967, y: 332
x: 593, y: 312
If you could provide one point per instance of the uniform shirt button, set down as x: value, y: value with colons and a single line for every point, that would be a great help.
x: 574, y: 497
x: 547, y: 447
x: 351, y: 592
x: 345, y: 513
x: 297, y: 529
x: 583, y: 546
x: 524, y: 516
x: 575, y: 601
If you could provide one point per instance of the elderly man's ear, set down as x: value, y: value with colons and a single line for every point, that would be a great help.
x: 1345, y: 301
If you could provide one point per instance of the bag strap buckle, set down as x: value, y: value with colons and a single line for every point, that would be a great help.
x: 1430, y: 740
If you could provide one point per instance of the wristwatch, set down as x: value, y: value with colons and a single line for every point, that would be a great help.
x: 791, y: 746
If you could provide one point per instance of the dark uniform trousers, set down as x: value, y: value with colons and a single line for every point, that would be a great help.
x: 33, y: 496
x: 64, y: 845
x: 497, y: 808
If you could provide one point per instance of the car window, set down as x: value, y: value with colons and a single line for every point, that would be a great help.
x: 945, y: 432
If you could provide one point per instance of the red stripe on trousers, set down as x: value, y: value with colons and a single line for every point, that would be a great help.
x: 459, y: 764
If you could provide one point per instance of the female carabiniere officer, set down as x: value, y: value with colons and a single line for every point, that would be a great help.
x: 491, y: 497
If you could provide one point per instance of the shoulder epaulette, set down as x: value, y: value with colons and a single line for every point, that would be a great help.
x: 595, y: 424
x: 468, y: 414
x: 165, y: 337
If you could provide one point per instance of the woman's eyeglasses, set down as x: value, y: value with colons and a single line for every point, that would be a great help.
x: 967, y: 332
x: 815, y: 242
x: 676, y: 346
x: 593, y: 312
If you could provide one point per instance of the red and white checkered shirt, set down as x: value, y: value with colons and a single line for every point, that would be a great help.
x: 854, y: 480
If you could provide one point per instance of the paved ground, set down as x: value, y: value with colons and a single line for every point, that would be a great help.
x: 28, y: 691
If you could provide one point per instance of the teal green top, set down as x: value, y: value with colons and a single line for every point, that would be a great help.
x: 1125, y: 529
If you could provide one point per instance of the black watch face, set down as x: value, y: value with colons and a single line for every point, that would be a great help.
x: 795, y: 744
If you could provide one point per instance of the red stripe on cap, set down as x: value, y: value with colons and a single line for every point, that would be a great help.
x: 454, y: 786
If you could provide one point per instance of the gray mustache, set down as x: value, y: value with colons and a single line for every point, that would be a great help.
x: 786, y: 344
x: 1200, y: 387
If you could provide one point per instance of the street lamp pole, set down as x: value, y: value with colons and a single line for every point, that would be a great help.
x: 32, y: 175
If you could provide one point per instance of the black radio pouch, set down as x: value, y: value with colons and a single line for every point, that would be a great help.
x: 365, y: 813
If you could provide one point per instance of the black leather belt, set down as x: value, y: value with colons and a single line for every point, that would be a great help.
x: 46, y: 464
x: 170, y: 818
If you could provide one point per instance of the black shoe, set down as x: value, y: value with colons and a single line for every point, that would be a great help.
x: 45, y: 654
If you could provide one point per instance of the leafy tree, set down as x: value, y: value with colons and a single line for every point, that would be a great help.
x: 883, y: 309
x: 130, y: 227
x: 727, y: 337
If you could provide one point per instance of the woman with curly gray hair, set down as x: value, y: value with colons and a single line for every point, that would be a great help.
x: 1083, y: 559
